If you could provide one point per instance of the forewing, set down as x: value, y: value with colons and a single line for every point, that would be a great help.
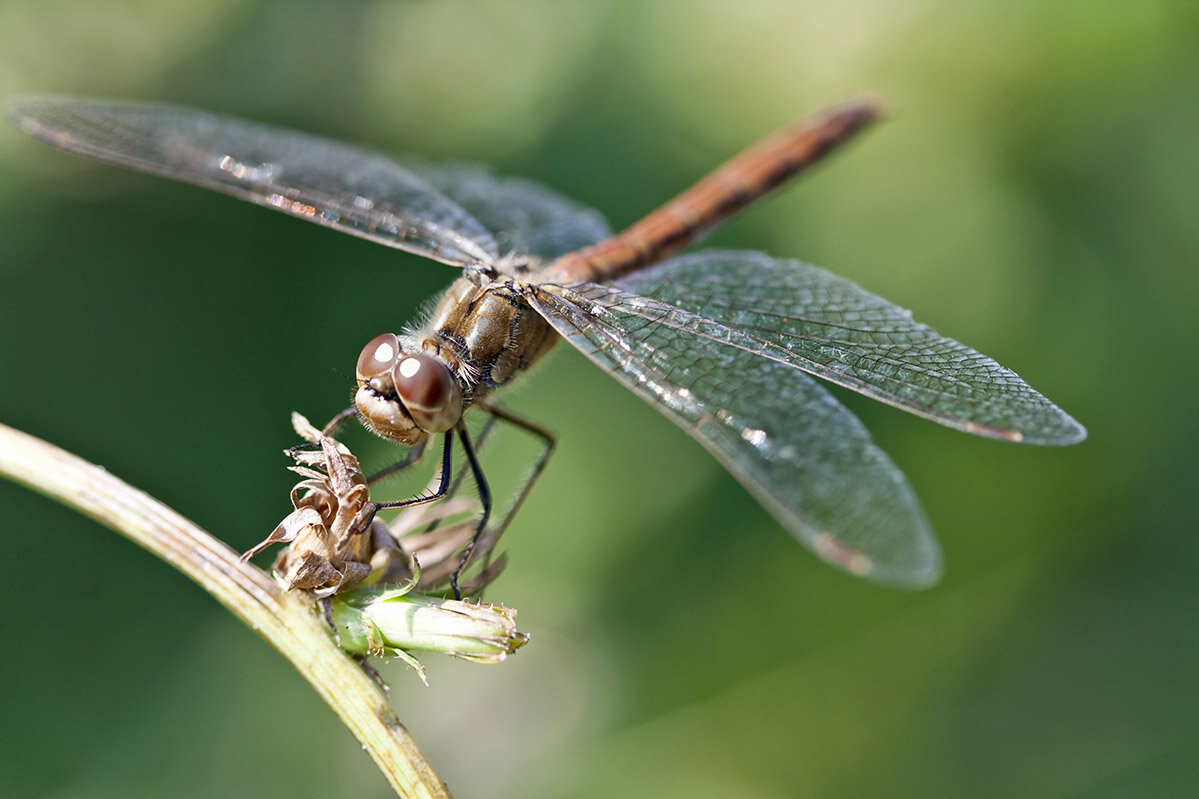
x: 332, y: 184
x: 526, y: 217
x: 801, y: 453
x: 807, y: 317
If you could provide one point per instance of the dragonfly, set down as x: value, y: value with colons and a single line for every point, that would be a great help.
x: 725, y: 343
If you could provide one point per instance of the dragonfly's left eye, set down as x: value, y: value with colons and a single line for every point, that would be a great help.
x: 378, y: 357
x: 376, y: 399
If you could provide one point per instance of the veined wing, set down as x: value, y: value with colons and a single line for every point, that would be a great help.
x: 332, y: 184
x: 801, y: 453
x: 526, y: 217
x: 807, y: 317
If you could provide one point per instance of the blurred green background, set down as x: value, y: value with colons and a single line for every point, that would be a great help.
x: 1033, y: 195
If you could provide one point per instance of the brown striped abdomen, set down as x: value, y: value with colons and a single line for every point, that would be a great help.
x: 736, y: 183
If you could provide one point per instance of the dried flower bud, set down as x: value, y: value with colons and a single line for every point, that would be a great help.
x: 337, y: 548
x: 335, y: 541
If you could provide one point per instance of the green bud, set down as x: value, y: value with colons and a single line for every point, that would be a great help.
x: 389, y: 621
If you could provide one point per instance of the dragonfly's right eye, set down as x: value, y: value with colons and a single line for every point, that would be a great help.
x: 378, y: 357
x: 429, y: 392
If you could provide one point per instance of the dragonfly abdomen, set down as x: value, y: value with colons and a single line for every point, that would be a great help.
x: 729, y: 188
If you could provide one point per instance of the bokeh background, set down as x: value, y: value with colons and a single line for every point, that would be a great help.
x: 1033, y: 194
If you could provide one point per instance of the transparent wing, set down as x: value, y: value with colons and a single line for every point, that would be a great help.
x: 801, y: 453
x: 332, y: 184
x: 804, y: 316
x: 526, y: 217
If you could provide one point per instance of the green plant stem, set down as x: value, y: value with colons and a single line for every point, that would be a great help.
x: 286, y: 620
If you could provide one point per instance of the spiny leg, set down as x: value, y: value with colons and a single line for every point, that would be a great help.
x: 442, y: 485
x: 484, y: 501
x: 480, y: 441
x: 414, y: 454
x: 334, y: 424
x: 328, y: 431
x: 548, y: 442
x: 486, y: 539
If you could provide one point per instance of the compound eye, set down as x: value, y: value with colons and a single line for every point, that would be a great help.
x: 378, y: 357
x: 429, y: 391
x: 423, y: 382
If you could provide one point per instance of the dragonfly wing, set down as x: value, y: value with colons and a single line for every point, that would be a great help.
x: 333, y: 184
x: 526, y: 217
x: 801, y: 453
x: 809, y: 318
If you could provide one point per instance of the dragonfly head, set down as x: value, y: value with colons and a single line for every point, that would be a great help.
x: 402, y: 396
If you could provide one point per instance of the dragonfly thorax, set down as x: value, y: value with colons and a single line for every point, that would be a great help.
x: 477, y: 339
x: 488, y: 333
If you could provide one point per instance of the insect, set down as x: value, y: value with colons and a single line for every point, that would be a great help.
x: 722, y: 342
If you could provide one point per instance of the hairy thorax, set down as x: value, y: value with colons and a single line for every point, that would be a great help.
x: 488, y: 334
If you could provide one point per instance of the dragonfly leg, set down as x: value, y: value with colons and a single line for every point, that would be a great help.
x: 326, y: 606
x: 548, y: 442
x: 414, y: 454
x: 331, y: 427
x: 484, y: 540
x: 334, y: 424
x: 479, y: 441
x: 443, y: 483
x: 364, y: 663
x: 484, y: 501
